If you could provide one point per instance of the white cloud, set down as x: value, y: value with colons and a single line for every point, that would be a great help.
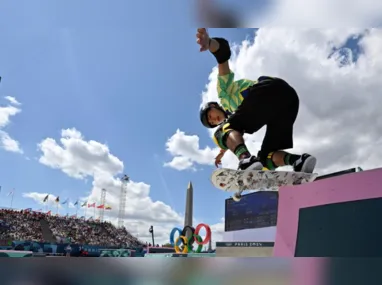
x: 39, y: 198
x: 12, y: 100
x: 88, y: 159
x: 318, y: 14
x: 6, y: 113
x: 186, y: 151
x: 79, y: 158
x: 314, y: 14
x: 339, y: 119
x: 217, y: 232
x: 6, y: 142
x: 180, y: 163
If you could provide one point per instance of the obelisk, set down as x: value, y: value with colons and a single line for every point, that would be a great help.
x: 189, y: 205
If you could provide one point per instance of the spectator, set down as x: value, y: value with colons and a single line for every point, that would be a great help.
x: 68, y: 250
x: 25, y: 226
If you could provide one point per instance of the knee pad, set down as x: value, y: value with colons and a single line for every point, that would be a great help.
x: 221, y: 134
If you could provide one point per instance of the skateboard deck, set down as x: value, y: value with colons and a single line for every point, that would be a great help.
x: 231, y: 180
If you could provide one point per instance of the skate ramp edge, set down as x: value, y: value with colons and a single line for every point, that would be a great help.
x: 325, y: 209
x: 244, y: 249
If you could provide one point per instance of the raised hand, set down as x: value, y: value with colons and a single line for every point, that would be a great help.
x: 203, y: 39
x: 218, y: 158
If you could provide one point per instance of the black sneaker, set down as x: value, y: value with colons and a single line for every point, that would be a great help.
x: 306, y: 163
x: 250, y: 163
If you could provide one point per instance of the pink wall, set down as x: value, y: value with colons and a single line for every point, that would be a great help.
x: 348, y: 187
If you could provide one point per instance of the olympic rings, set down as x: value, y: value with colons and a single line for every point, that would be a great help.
x: 176, y: 247
x: 184, y: 233
x: 208, y: 234
x: 188, y: 241
x: 173, y: 233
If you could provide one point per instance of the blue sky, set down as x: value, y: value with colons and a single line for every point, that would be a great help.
x: 118, y: 78
x: 122, y: 74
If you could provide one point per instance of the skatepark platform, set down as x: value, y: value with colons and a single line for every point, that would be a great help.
x: 244, y: 249
x: 333, y: 217
x: 338, y: 215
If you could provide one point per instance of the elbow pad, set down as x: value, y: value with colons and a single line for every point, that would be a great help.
x: 223, y: 54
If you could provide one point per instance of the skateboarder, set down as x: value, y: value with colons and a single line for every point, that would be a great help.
x: 245, y: 107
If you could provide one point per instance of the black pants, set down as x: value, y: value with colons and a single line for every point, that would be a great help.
x: 273, y: 103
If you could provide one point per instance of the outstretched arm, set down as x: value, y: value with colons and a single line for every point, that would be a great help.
x: 214, y: 47
x: 219, y: 47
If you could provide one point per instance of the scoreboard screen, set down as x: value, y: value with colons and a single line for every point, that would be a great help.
x: 255, y: 210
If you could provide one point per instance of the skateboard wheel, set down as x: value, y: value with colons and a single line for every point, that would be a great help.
x: 236, y: 197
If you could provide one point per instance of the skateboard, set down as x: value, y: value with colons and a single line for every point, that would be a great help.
x: 237, y: 181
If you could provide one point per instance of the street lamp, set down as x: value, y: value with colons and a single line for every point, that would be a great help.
x: 151, y: 231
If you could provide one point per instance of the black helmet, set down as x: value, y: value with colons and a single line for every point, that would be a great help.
x: 204, y: 112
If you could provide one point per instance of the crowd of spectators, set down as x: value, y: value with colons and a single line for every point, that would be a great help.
x: 122, y: 236
x: 28, y: 226
x: 21, y: 226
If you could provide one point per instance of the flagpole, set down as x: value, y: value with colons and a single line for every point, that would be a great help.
x: 13, y: 193
x: 77, y: 209
x: 45, y: 202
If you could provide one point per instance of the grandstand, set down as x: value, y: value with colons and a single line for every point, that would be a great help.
x: 46, y: 234
x: 37, y: 231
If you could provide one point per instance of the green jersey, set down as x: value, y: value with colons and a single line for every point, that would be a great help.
x: 229, y: 91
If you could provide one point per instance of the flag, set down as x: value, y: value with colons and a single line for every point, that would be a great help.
x: 58, y: 199
x: 66, y: 201
x: 84, y: 204
x: 108, y: 208
x: 91, y: 205
x: 10, y: 193
x: 100, y: 206
x: 28, y: 210
x: 73, y: 216
x: 49, y: 212
x: 76, y: 203
x: 46, y: 198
